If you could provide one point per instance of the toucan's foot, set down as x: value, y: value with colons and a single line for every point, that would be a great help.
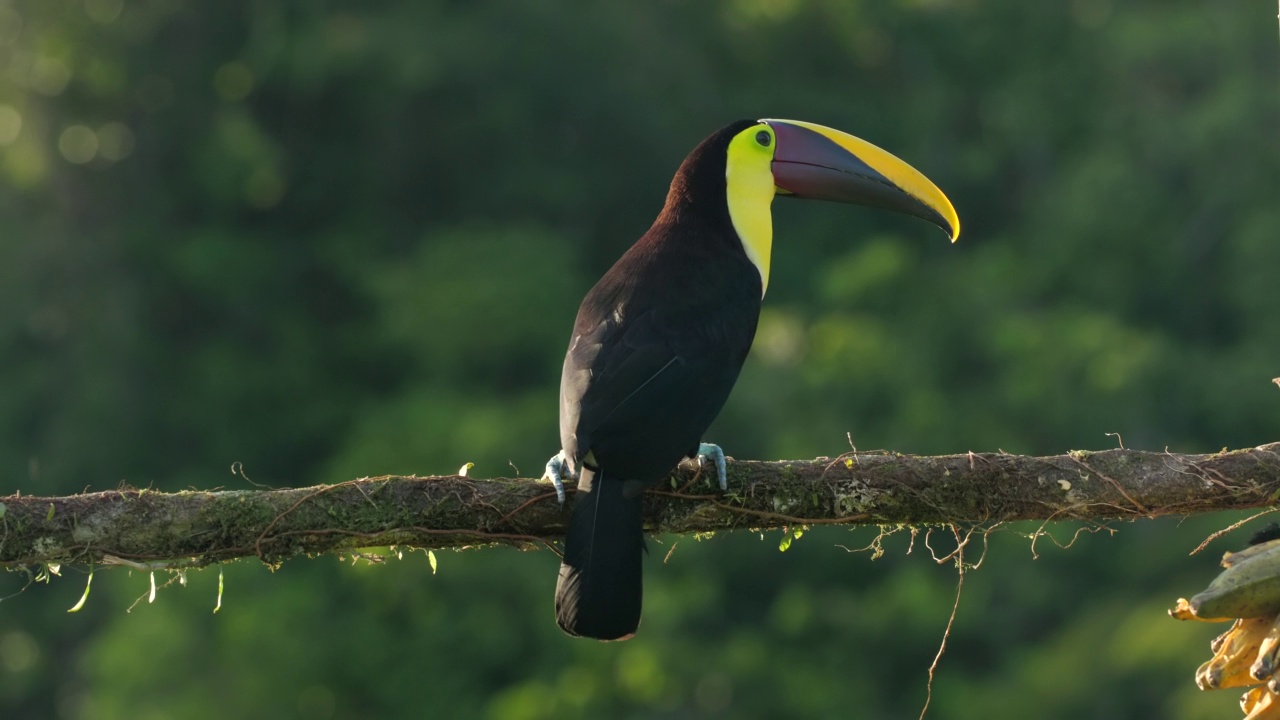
x: 711, y: 451
x: 557, y: 470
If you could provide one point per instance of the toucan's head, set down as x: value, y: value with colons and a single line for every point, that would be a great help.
x: 769, y: 157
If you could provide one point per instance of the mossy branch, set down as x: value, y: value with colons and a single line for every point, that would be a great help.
x: 156, y: 529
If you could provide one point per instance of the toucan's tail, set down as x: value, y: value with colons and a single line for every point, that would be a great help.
x: 599, y: 591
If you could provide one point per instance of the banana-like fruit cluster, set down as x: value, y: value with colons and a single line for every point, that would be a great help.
x: 1248, y: 653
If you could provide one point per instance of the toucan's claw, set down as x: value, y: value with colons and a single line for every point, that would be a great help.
x: 557, y: 470
x: 711, y: 451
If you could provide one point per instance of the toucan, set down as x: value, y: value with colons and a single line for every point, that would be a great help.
x: 658, y: 342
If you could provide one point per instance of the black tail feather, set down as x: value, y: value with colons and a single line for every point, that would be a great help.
x: 599, y: 591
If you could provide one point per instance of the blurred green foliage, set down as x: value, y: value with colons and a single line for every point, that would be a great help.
x: 329, y: 240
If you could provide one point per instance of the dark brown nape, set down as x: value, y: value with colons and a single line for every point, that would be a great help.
x: 700, y: 183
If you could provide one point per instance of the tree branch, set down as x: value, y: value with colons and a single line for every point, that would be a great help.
x: 145, y: 528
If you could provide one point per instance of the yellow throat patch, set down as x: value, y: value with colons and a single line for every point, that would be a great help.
x: 749, y: 191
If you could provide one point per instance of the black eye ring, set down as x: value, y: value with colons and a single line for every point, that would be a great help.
x: 763, y: 138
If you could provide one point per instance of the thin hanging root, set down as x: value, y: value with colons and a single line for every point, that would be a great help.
x: 942, y: 648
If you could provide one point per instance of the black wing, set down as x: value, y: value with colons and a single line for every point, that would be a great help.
x: 641, y: 384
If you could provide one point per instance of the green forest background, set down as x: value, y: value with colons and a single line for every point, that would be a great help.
x: 329, y: 240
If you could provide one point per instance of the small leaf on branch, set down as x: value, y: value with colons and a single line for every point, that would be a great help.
x: 85, y: 596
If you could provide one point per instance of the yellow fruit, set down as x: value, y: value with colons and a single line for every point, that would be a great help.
x: 1265, y: 664
x: 1182, y: 611
x: 1250, y: 699
x: 1231, y: 663
x: 1265, y: 706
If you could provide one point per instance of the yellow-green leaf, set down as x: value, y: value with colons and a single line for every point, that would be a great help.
x: 85, y: 596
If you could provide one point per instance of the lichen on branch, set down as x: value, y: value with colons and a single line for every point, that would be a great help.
x: 193, y: 528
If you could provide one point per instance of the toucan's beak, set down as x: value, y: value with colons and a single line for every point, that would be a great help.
x: 813, y: 161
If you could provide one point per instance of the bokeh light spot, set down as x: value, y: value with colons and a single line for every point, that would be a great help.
x: 10, y: 124
x: 780, y: 339
x: 18, y: 651
x: 264, y: 188
x: 714, y: 693
x: 772, y: 11
x: 104, y: 77
x: 103, y: 11
x: 115, y: 141
x: 49, y: 76
x: 1091, y: 14
x: 25, y: 164
x: 233, y: 81
x: 49, y: 324
x: 316, y: 702
x: 10, y: 25
x: 78, y: 144
x: 346, y: 33
x: 641, y: 675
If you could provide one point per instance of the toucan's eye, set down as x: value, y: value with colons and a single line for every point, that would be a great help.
x: 763, y: 138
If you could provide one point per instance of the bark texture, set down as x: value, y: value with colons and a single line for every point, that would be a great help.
x: 155, y: 529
